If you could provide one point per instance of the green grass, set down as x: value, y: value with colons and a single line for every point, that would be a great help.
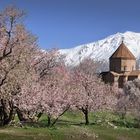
x: 71, y: 127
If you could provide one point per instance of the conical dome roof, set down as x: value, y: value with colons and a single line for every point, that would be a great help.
x: 123, y: 52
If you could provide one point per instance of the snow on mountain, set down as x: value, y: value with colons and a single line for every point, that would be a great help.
x: 101, y: 50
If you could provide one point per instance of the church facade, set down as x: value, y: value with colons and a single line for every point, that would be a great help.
x: 122, y: 67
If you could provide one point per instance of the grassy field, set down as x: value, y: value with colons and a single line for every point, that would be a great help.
x: 71, y: 127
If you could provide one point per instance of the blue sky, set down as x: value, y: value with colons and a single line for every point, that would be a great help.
x: 68, y: 23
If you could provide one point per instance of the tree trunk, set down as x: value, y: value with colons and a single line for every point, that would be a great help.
x: 22, y: 116
x: 7, y: 113
x: 86, y: 117
x: 85, y: 112
x: 49, y: 121
x: 54, y: 122
x: 39, y: 115
x: 25, y: 116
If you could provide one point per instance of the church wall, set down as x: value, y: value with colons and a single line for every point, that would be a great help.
x: 115, y: 64
x: 120, y: 65
x: 128, y: 65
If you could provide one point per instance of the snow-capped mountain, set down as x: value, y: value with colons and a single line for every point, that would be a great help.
x: 101, y: 50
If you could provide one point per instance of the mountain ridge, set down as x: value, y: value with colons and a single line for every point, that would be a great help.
x: 102, y: 49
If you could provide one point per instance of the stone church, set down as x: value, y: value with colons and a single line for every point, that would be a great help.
x: 122, y: 65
